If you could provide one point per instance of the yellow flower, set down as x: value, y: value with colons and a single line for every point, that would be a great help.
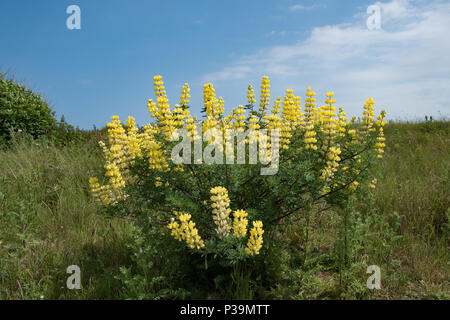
x: 250, y: 95
x: 185, y: 230
x: 221, y: 211
x: 255, y: 240
x: 353, y: 186
x: 185, y: 96
x: 368, y: 115
x: 380, y: 145
x: 240, y: 223
x: 331, y: 164
x: 327, y: 118
x: 103, y: 194
x: 158, y: 182
x: 265, y: 95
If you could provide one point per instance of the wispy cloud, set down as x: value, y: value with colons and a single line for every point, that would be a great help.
x: 405, y: 66
x: 273, y: 33
x: 269, y: 34
x: 300, y: 7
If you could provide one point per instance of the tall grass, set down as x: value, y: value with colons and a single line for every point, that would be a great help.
x: 48, y: 221
x: 416, y: 184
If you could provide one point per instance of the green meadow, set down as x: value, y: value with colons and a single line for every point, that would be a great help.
x: 49, y: 221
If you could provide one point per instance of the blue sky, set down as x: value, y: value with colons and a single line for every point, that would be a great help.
x: 106, y: 68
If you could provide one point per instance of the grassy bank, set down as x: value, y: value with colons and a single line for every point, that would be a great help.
x: 415, y: 183
x: 49, y: 221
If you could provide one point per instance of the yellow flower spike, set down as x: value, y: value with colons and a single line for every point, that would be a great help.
x: 185, y: 96
x: 310, y: 106
x: 342, y: 123
x: 255, y: 240
x: 265, y: 95
x: 221, y: 211
x: 185, y: 230
x: 327, y: 119
x: 380, y: 144
x: 178, y: 116
x: 368, y: 116
x: 250, y: 95
x: 163, y: 113
x: 151, y: 107
x: 353, y: 186
x: 328, y: 172
x: 134, y: 141
x: 240, y: 223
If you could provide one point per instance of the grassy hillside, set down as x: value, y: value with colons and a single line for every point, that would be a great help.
x: 48, y: 221
x: 415, y: 183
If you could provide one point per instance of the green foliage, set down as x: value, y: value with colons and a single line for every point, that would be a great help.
x: 48, y: 221
x: 297, y: 188
x: 21, y: 110
x: 154, y: 274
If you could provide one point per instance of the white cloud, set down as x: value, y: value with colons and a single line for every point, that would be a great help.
x: 405, y: 66
x: 273, y: 33
x: 231, y: 72
x: 300, y: 7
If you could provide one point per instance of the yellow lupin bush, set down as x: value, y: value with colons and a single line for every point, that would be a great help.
x: 127, y: 144
x: 332, y: 144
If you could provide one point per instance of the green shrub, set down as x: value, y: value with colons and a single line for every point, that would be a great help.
x: 229, y: 218
x: 21, y: 110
